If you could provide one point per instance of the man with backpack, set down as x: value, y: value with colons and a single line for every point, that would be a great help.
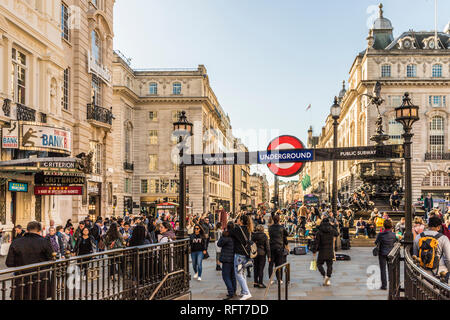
x: 432, y: 248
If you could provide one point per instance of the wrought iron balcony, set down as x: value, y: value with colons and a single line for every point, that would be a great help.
x: 128, y: 166
x: 99, y: 114
x: 437, y: 156
x: 25, y: 114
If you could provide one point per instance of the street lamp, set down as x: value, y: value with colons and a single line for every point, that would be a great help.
x: 335, y: 114
x: 407, y: 114
x: 182, y: 129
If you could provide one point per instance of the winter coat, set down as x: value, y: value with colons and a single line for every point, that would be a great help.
x: 386, y: 241
x: 30, y: 249
x: 167, y: 237
x: 324, y: 241
x: 227, y: 252
x: 278, y: 237
x: 239, y: 240
x: 78, y: 243
x: 60, y: 243
x: 262, y: 242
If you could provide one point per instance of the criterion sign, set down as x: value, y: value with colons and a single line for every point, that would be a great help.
x: 285, y: 156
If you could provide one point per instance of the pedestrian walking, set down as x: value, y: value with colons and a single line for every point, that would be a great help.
x: 385, y: 242
x: 324, y: 245
x: 227, y: 259
x: 263, y: 244
x: 241, y: 235
x: 32, y: 248
x: 166, y: 233
x: 198, y: 250
x: 113, y: 241
x: 218, y: 249
x: 56, y: 242
x: 85, y: 245
x: 279, y: 246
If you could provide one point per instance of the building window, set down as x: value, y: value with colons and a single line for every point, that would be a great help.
x: 18, y: 76
x: 144, y: 186
x: 437, y: 101
x: 153, y: 162
x: 176, y: 115
x: 154, y: 186
x: 177, y: 88
x: 436, y: 179
x: 411, y: 71
x: 437, y: 71
x: 127, y: 144
x: 153, y: 116
x: 385, y: 71
x: 173, y: 187
x: 395, y: 132
x: 65, y: 28
x: 153, y: 88
x: 164, y: 186
x: 96, y: 46
x: 437, y: 135
x: 96, y: 90
x: 66, y: 89
x: 97, y: 149
x: 153, y: 137
x: 127, y: 185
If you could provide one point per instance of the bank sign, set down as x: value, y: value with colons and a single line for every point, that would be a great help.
x: 10, y: 136
x: 42, y: 137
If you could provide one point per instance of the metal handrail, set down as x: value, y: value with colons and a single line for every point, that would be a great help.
x: 286, y: 265
x: 164, y: 281
x: 424, y: 275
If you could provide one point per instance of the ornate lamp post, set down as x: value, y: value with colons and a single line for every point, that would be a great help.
x: 335, y: 114
x: 407, y: 114
x: 182, y: 129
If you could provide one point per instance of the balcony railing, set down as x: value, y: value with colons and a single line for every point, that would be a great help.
x: 158, y: 271
x: 25, y: 114
x: 128, y: 166
x: 99, y: 114
x: 437, y: 156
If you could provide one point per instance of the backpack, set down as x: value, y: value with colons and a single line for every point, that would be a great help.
x: 428, y: 255
x: 250, y: 248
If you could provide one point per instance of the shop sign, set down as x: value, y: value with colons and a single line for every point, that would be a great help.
x: 17, y: 187
x: 10, y: 136
x: 58, y: 180
x: 43, y: 137
x: 58, y: 191
x: 59, y: 164
x: 100, y: 71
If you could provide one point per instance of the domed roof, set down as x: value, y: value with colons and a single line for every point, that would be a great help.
x: 381, y: 23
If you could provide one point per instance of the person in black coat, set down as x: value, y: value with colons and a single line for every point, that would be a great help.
x: 263, y: 244
x: 227, y: 259
x: 324, y: 244
x: 30, y: 249
x: 278, y: 244
x: 385, y: 242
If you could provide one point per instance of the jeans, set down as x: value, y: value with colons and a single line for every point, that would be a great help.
x: 240, y: 275
x: 260, y: 263
x: 383, y: 267
x: 329, y: 263
x: 229, y: 277
x: 358, y: 231
x: 197, y: 260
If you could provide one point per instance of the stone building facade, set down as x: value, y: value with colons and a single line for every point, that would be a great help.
x: 50, y: 52
x: 259, y: 188
x: 413, y: 62
x: 146, y: 104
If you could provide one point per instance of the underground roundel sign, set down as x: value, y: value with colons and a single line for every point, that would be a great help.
x: 285, y: 169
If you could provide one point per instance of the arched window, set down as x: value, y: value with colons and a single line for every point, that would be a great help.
x: 411, y: 70
x: 177, y: 88
x: 128, y: 143
x: 385, y: 71
x: 437, y: 71
x: 153, y: 88
x: 437, y: 136
x: 96, y: 46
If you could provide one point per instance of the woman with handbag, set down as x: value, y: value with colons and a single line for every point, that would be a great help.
x: 385, y: 243
x: 241, y: 235
x: 114, y: 240
x: 198, y: 250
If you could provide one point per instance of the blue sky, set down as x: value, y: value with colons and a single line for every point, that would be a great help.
x: 267, y: 59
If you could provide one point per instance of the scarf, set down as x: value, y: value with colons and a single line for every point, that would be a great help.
x: 54, y: 242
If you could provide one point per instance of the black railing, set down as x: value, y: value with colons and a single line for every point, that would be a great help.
x: 279, y: 271
x: 437, y: 156
x: 418, y: 284
x: 25, y: 114
x: 124, y: 274
x: 99, y: 114
x: 128, y: 166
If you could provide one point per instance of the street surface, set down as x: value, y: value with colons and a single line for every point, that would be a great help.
x: 349, y: 281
